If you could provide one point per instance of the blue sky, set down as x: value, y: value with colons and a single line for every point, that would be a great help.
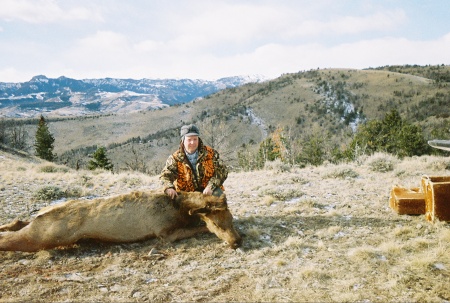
x: 211, y: 39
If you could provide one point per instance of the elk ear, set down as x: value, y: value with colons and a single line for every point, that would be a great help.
x: 202, y: 210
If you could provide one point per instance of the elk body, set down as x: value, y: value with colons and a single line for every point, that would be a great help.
x: 123, y: 218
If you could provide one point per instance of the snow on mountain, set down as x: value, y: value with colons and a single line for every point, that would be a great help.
x: 66, y: 96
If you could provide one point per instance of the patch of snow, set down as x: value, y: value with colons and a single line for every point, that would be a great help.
x: 254, y: 119
x: 54, y: 202
x: 339, y: 235
x: 293, y: 201
x: 382, y: 258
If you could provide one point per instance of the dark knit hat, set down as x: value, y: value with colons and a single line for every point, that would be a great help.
x: 189, y: 130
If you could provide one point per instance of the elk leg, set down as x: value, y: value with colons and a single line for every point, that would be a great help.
x: 14, y: 226
x: 184, y: 233
x: 18, y: 241
x: 35, y: 237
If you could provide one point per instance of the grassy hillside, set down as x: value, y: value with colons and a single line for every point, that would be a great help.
x: 328, y: 104
x: 313, y: 234
x: 440, y: 74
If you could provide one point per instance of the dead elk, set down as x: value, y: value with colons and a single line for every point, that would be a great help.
x: 123, y: 218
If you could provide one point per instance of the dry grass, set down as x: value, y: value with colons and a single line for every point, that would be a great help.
x: 316, y: 234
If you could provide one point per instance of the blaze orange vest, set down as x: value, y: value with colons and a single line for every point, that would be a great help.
x: 186, y: 180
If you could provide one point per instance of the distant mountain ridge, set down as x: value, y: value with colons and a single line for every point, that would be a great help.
x: 70, y: 97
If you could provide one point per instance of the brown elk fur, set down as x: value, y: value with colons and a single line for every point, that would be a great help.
x: 123, y: 218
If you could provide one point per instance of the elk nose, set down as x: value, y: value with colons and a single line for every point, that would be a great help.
x: 236, y: 244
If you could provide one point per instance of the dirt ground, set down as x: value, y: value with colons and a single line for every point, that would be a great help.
x: 314, y: 234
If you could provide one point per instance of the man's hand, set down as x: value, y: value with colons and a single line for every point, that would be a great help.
x: 207, y: 191
x: 172, y: 193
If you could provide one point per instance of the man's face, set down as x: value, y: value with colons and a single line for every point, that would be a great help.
x: 191, y: 144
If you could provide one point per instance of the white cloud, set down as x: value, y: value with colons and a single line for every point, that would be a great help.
x: 275, y: 59
x: 380, y: 21
x: 222, y: 22
x: 208, y: 39
x: 391, y: 51
x: 227, y: 27
x: 348, y: 24
x: 148, y: 46
x: 13, y: 75
x: 109, y: 54
x: 43, y: 11
x: 103, y: 41
x: 102, y: 52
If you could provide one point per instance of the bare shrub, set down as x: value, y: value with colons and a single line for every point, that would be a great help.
x: 86, y: 181
x: 268, y: 200
x: 277, y: 165
x: 342, y: 172
x: 283, y: 194
x: 48, y: 193
x: 53, y: 169
x: 381, y: 162
x: 131, y: 181
x: 74, y: 192
x: 439, y: 164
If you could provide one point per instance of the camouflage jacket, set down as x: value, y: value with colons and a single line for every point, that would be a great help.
x: 178, y: 172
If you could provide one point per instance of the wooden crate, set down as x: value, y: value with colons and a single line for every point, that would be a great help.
x: 437, y: 197
x: 407, y: 201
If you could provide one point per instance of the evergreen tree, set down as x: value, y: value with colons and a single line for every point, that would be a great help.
x: 100, y: 160
x: 266, y: 152
x: 313, y: 151
x: 392, y: 135
x: 44, y: 141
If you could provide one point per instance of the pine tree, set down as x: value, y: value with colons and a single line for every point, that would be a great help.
x: 44, y: 141
x: 100, y: 160
x: 313, y: 150
x: 392, y: 135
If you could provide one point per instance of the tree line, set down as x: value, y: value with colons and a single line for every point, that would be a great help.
x: 392, y: 134
x: 13, y: 134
